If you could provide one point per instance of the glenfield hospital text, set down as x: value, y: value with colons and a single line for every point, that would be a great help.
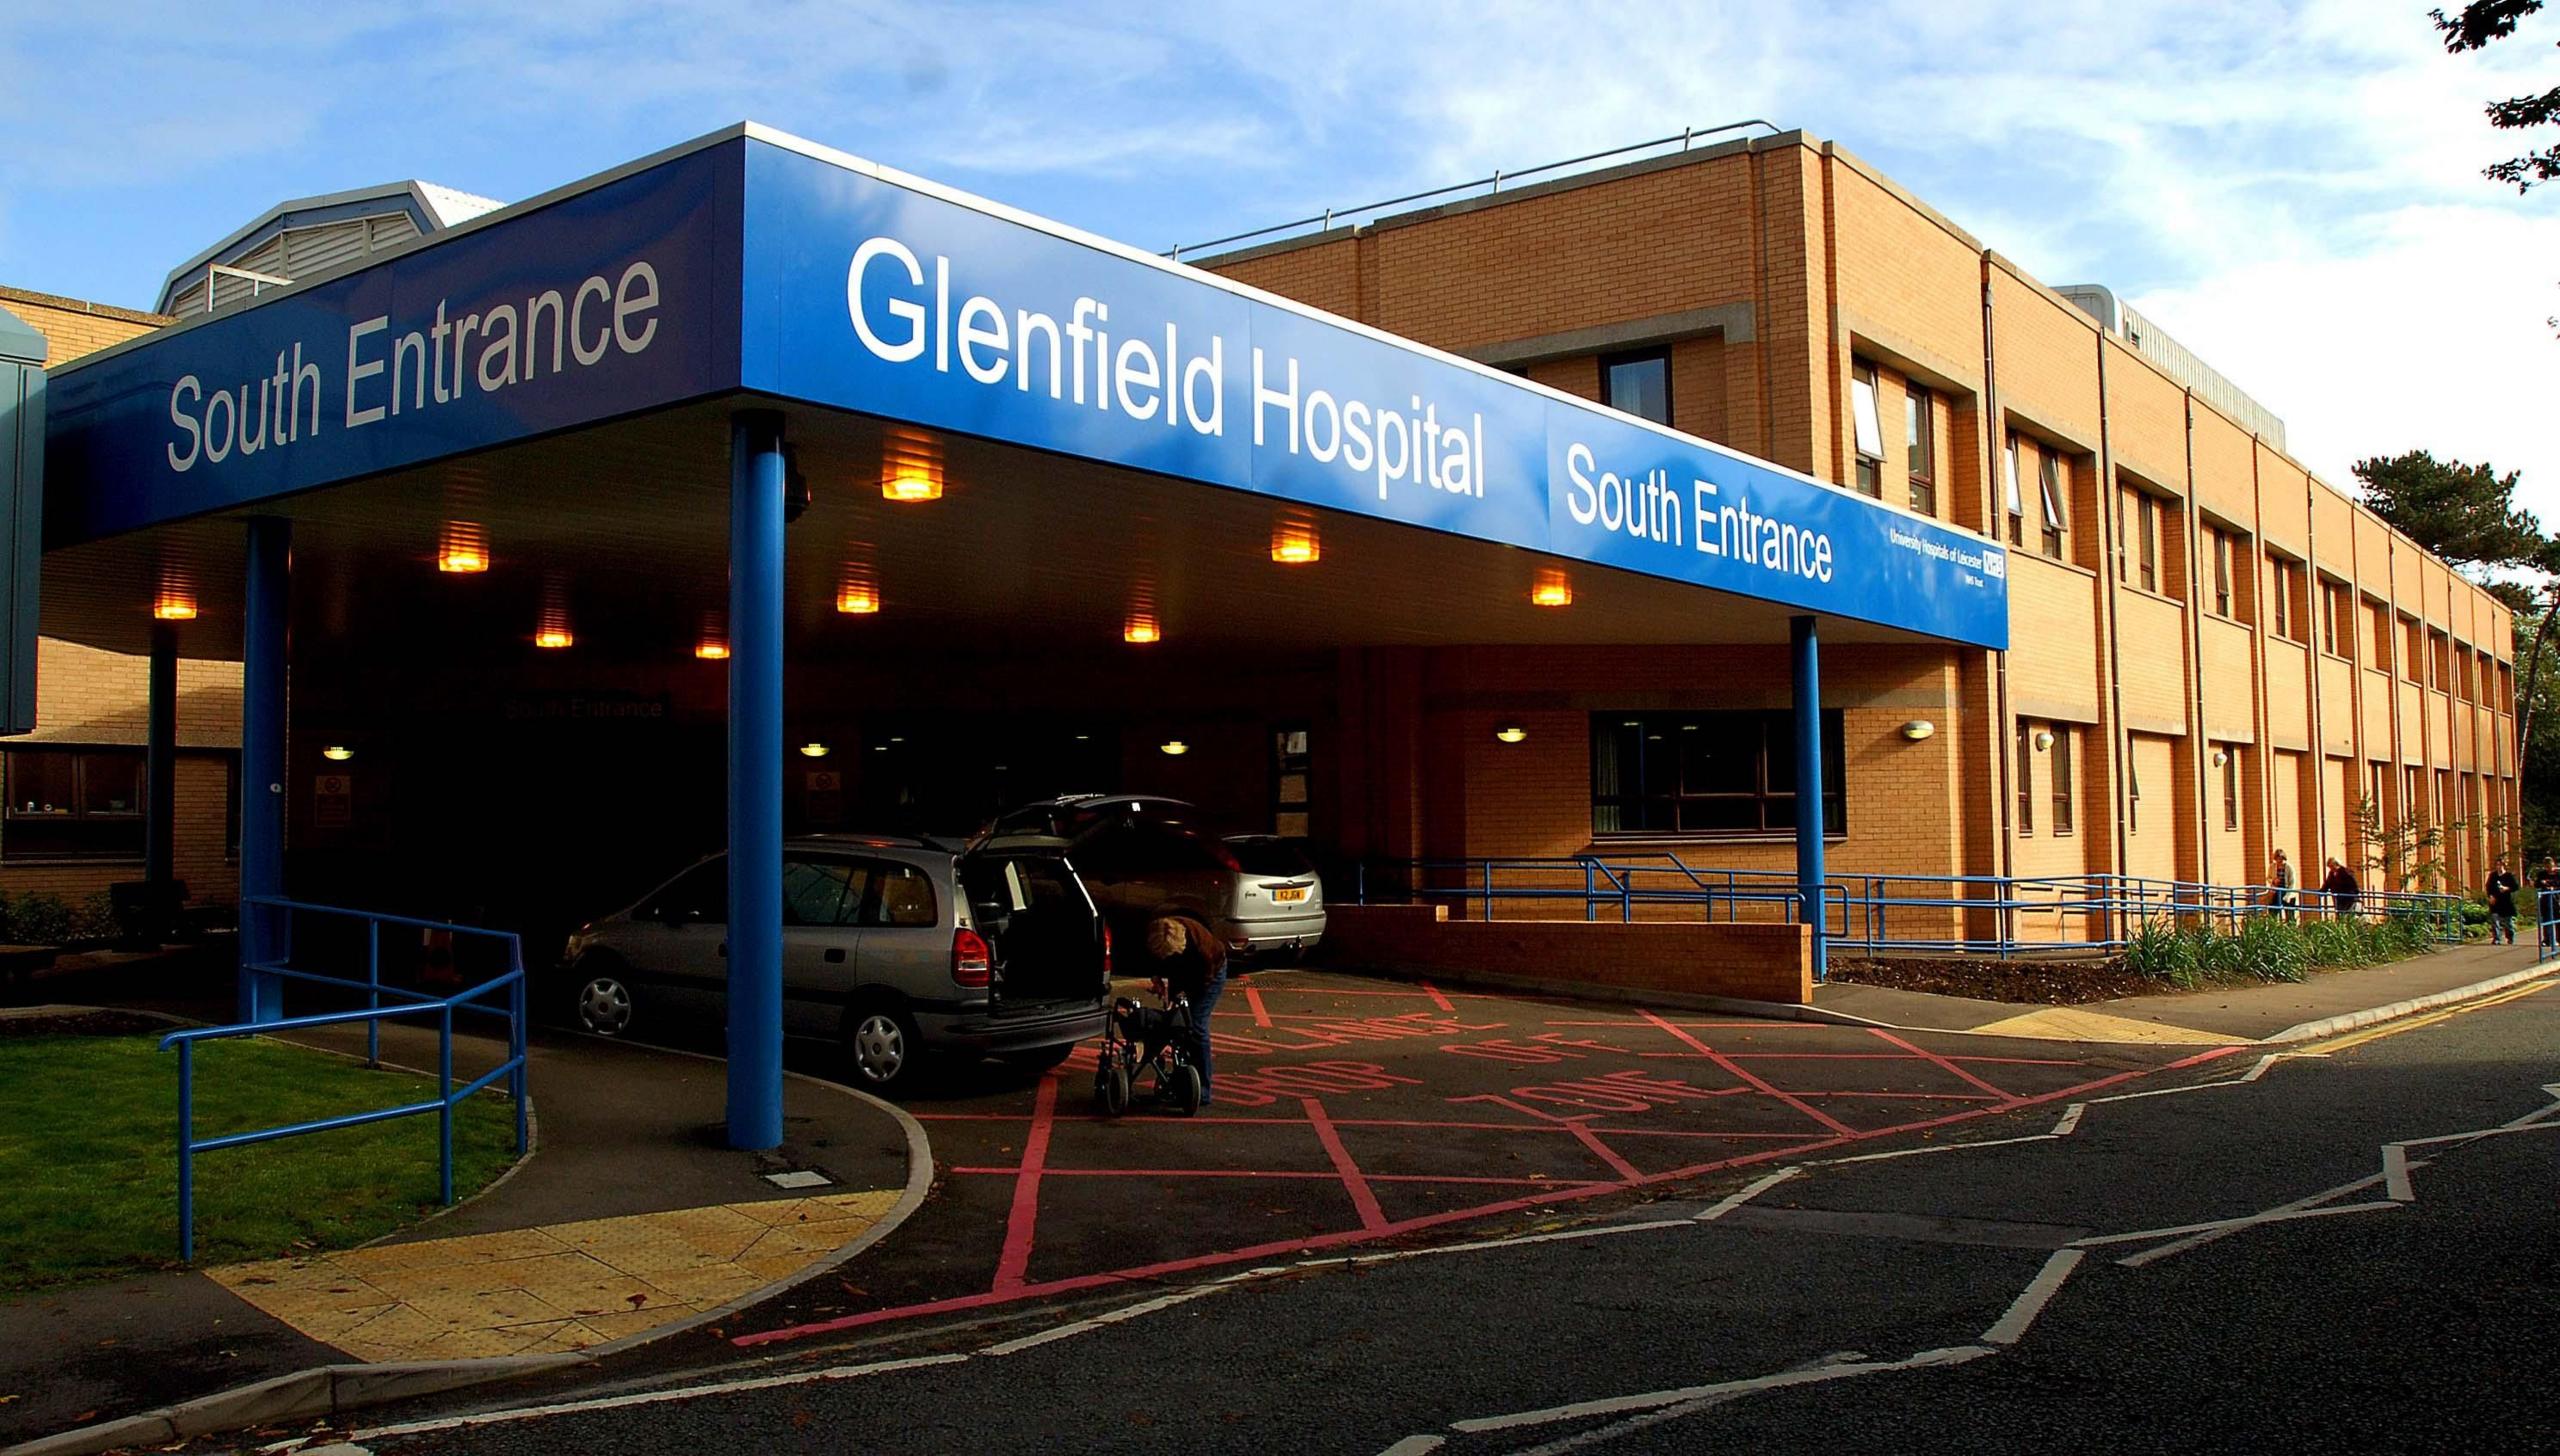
x: 1073, y: 357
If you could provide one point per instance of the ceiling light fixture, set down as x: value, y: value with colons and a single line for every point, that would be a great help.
x: 337, y: 753
x: 814, y: 750
x: 1294, y: 543
x: 1553, y: 588
x: 1141, y: 628
x: 1511, y: 733
x: 1173, y: 748
x: 174, y: 606
x: 910, y: 467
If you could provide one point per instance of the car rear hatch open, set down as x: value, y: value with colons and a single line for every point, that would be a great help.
x: 1046, y: 937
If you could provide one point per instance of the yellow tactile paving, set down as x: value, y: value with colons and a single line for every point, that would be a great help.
x: 555, y: 1288
x: 2065, y: 1023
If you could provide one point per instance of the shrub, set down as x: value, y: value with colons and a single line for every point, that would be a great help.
x: 2270, y: 949
x: 41, y: 920
x: 2335, y: 943
x: 2160, y: 951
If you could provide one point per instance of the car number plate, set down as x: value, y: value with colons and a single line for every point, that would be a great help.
x: 1289, y: 894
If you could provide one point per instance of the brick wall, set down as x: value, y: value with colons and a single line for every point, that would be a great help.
x: 1756, y: 962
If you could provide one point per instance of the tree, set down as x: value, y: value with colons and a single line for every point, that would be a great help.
x: 2463, y: 513
x: 2480, y: 24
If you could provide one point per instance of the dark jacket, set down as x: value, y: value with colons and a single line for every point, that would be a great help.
x: 2501, y: 890
x: 1203, y: 960
x: 2341, y: 881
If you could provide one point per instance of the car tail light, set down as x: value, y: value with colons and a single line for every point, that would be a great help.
x: 971, y: 962
x: 1108, y: 969
x: 1227, y: 857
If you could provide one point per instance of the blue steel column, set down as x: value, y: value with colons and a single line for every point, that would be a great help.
x: 265, y: 611
x: 1807, y: 655
x: 755, y: 779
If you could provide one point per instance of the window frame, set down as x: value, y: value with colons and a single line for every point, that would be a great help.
x: 2063, y: 780
x: 2230, y: 788
x: 2024, y: 751
x: 1771, y: 725
x: 2053, y: 490
x: 1611, y: 363
x: 1866, y: 431
x: 117, y: 852
x: 1920, y: 447
x: 2017, y: 504
x: 2133, y: 787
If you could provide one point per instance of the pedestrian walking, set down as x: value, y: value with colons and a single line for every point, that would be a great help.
x: 2284, y: 899
x: 2341, y: 888
x: 2546, y: 896
x: 1186, y: 956
x: 2501, y: 892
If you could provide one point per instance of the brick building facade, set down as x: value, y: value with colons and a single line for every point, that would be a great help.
x: 2214, y: 654
x: 70, y: 792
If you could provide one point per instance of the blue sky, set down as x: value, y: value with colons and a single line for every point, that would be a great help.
x: 2292, y: 190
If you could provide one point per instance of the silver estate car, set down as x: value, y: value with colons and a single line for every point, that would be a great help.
x: 892, y: 948
x: 1142, y: 856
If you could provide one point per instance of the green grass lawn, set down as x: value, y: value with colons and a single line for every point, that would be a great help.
x: 89, y: 1166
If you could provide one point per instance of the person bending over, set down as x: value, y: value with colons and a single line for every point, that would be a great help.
x: 1186, y: 956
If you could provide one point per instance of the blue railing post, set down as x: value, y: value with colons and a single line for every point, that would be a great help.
x: 187, y: 1151
x: 373, y: 998
x: 516, y: 1044
x: 444, y: 1105
x: 1591, y: 889
x: 1488, y: 889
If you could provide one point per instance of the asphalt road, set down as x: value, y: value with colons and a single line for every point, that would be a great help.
x: 1971, y: 1294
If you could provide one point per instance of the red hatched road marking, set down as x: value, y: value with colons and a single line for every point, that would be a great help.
x: 1603, y: 1152
x: 1728, y: 1063
x: 1941, y: 1061
x: 1025, y: 1218
x: 1372, y: 1217
x: 1544, y: 1198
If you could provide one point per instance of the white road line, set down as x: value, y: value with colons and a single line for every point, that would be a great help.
x: 2264, y: 1063
x: 2031, y: 1300
x: 1746, y: 1193
x: 2273, y: 1215
x: 2395, y: 1174
x: 1627, y: 1404
x: 656, y: 1397
x: 1415, y: 1446
x: 2070, y: 1122
x: 2041, y: 1137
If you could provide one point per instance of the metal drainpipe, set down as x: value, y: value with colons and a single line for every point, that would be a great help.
x: 2201, y: 750
x: 1995, y: 523
x: 2119, y: 748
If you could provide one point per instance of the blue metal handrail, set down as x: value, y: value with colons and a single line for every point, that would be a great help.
x: 417, y: 1004
x: 2088, y: 912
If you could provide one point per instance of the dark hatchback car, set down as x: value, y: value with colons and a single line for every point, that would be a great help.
x: 892, y: 949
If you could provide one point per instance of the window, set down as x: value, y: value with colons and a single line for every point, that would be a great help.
x: 1920, y: 430
x: 1706, y: 773
x: 73, y: 803
x: 2133, y: 788
x: 698, y: 896
x: 2415, y: 663
x: 2138, y: 539
x: 1639, y: 384
x: 2065, y: 739
x: 2439, y: 661
x: 2221, y: 570
x: 1291, y: 774
x: 2230, y: 787
x: 2287, y: 574
x: 901, y: 896
x: 2378, y: 620
x: 1870, y: 429
x: 823, y: 891
x: 2057, y: 488
x: 2333, y: 606
x: 2026, y: 778
x: 2017, y: 502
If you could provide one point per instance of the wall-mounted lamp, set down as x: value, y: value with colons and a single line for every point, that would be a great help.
x: 2043, y: 739
x: 1919, y: 730
x: 1173, y: 748
x: 1510, y: 733
x: 910, y: 467
x: 2221, y: 756
x: 462, y: 549
x: 1294, y: 543
x: 337, y: 753
x: 814, y: 750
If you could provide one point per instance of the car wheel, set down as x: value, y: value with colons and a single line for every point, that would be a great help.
x: 603, y: 1004
x: 1034, y: 1063
x: 880, y: 1047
